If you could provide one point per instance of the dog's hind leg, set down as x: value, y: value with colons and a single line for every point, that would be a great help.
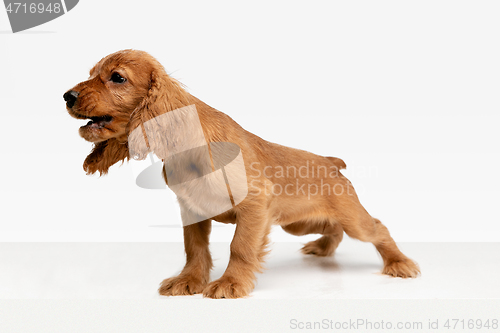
x: 324, y: 246
x: 368, y: 229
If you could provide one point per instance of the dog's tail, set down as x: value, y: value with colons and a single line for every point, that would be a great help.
x: 340, y: 164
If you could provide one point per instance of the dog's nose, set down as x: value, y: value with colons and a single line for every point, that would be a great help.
x: 70, y: 98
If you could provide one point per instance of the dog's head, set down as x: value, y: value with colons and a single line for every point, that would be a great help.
x: 124, y: 89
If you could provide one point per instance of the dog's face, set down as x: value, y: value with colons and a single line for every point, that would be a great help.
x: 116, y: 86
x: 125, y: 90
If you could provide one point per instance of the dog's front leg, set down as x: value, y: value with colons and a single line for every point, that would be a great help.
x: 196, y: 273
x: 247, y: 251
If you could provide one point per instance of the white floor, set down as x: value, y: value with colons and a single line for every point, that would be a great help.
x: 134, y: 270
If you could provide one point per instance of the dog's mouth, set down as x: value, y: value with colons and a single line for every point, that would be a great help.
x: 98, y: 122
x: 95, y: 123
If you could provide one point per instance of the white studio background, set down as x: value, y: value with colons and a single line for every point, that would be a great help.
x: 407, y: 93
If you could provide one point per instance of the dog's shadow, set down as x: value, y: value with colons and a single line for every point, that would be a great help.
x: 335, y: 264
x: 328, y: 264
x: 277, y: 267
x: 338, y: 263
x: 316, y: 275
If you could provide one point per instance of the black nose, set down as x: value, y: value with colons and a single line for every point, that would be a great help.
x: 70, y: 98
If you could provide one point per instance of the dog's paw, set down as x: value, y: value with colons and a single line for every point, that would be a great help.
x: 181, y: 285
x: 322, y: 247
x: 227, y: 287
x: 405, y: 268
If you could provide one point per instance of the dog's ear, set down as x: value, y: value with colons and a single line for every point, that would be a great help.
x: 165, y: 94
x: 104, y: 155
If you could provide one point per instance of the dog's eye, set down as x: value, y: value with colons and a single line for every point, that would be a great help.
x: 117, y: 78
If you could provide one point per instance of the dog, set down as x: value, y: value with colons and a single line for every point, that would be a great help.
x: 130, y: 88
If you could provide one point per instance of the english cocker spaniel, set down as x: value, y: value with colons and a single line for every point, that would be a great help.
x: 135, y: 108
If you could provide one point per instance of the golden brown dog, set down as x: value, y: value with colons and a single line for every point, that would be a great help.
x: 302, y: 192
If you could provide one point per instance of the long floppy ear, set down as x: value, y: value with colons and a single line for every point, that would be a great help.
x: 165, y: 94
x: 104, y: 155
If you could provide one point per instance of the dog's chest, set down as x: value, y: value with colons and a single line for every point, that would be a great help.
x: 208, y: 180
